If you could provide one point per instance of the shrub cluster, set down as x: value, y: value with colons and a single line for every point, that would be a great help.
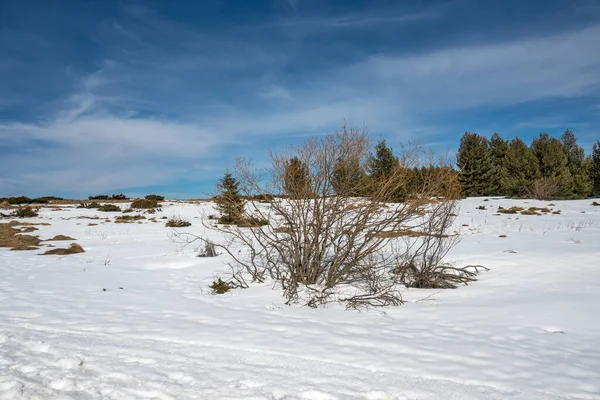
x: 25, y: 212
x: 177, y: 222
x: 155, y: 197
x: 144, y: 203
x: 109, y: 208
x: 26, y: 200
x: 119, y: 196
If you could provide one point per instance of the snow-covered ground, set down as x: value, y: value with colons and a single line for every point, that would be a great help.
x: 133, y: 318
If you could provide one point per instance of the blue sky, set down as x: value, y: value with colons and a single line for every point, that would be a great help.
x: 162, y: 96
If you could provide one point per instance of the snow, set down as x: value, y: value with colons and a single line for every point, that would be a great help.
x: 528, y: 329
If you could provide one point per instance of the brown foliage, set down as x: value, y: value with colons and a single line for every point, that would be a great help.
x: 74, y: 248
x: 10, y: 236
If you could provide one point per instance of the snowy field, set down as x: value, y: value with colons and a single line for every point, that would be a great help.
x: 133, y: 318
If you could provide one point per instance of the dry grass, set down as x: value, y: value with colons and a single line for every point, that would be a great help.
x: 61, y: 237
x: 251, y: 223
x: 404, y: 233
x: 512, y: 210
x: 11, y: 237
x: 74, y: 248
x: 283, y: 229
x: 128, y: 219
x: 530, y: 212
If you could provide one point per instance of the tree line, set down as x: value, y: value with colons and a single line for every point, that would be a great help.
x: 548, y: 168
x: 354, y: 175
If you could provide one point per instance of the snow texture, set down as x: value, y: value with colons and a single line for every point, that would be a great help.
x: 133, y: 318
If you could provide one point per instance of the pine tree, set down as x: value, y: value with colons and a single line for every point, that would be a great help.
x: 348, y: 178
x: 578, y: 168
x: 296, y: 180
x: 553, y: 162
x: 522, y: 169
x: 228, y: 200
x: 594, y: 167
x: 383, y: 162
x: 475, y: 165
x: 498, y: 150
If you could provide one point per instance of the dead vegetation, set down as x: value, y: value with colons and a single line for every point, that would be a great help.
x: 177, y: 222
x: 74, y: 248
x: 61, y: 237
x: 529, y: 211
x: 128, y: 219
x: 11, y: 236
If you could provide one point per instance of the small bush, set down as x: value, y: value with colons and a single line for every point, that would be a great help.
x: 99, y: 197
x: 595, y: 203
x: 177, y: 222
x: 25, y: 212
x: 220, y: 287
x: 93, y: 204
x: 144, y: 203
x: 209, y: 249
x: 109, y: 208
x: 128, y: 210
x: 155, y: 197
x: 128, y: 219
x: 119, y: 196
x: 544, y: 189
x: 481, y: 208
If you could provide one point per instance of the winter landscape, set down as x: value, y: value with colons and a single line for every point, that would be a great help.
x: 133, y: 317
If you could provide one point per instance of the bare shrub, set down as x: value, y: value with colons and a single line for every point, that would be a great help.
x: 209, y: 250
x: 322, y: 247
x: 544, y: 189
x: 420, y: 260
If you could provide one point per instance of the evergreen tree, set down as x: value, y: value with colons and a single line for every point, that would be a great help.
x: 553, y: 162
x: 498, y: 150
x: 382, y: 163
x: 594, y: 167
x: 522, y: 169
x: 475, y: 165
x: 296, y: 181
x: 578, y: 168
x: 228, y: 200
x: 348, y: 178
